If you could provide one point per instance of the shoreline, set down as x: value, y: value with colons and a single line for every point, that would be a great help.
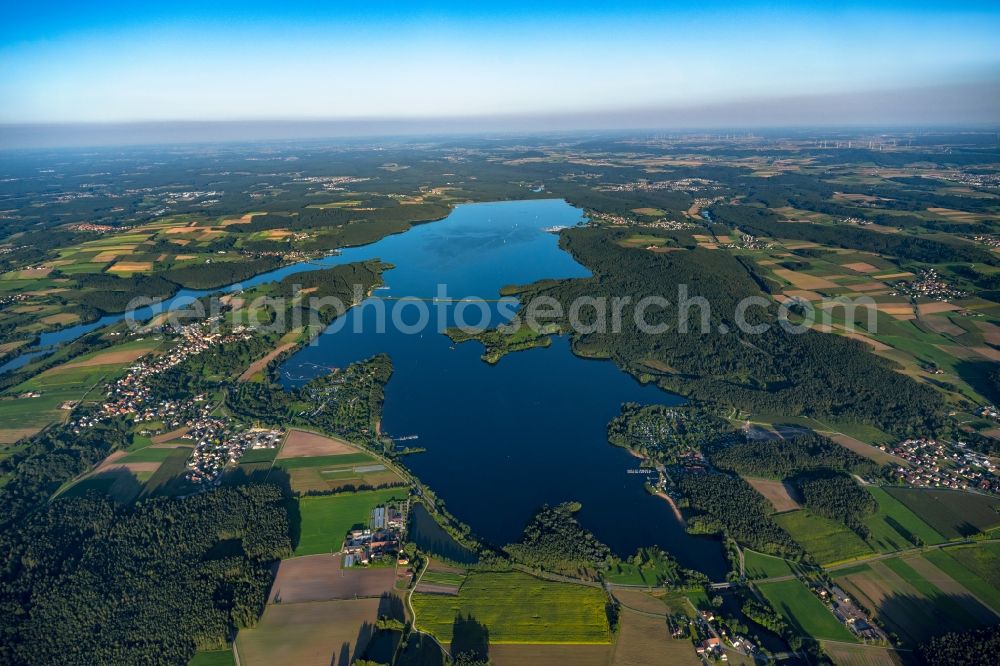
x: 673, y: 505
x: 659, y: 493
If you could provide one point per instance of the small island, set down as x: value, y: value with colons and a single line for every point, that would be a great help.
x: 500, y: 341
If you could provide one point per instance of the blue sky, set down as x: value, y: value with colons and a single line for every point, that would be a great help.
x: 121, y: 62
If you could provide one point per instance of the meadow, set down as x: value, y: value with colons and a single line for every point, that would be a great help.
x: 169, y: 476
x: 862, y: 655
x: 443, y: 578
x: 327, y: 518
x: 826, y: 540
x: 325, y: 461
x: 518, y: 608
x: 804, y: 612
x: 525, y: 654
x: 213, y: 658
x: 258, y: 456
x: 148, y: 454
x: 759, y: 565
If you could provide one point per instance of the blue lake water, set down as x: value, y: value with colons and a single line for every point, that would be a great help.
x: 501, y: 440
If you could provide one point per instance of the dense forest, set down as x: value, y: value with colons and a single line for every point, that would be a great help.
x: 662, y: 433
x: 781, y: 458
x: 729, y: 504
x: 969, y: 648
x: 777, y: 371
x: 554, y: 540
x: 86, y: 582
x: 219, y: 273
x: 324, y: 291
x: 838, y: 497
x: 107, y: 293
x: 50, y: 459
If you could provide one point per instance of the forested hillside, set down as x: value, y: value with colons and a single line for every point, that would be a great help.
x: 775, y: 372
x: 84, y: 582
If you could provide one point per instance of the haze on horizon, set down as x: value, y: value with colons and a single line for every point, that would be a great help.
x: 440, y: 66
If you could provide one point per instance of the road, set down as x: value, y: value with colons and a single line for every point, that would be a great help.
x: 413, y: 613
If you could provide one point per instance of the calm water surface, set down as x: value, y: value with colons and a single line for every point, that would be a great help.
x: 502, y: 440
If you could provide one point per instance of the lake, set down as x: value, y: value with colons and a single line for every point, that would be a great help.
x: 501, y: 440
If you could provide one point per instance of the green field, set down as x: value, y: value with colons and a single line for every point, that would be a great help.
x: 976, y: 567
x: 912, y: 602
x: 324, y: 461
x: 148, y: 454
x: 213, y: 658
x: 860, y: 431
x: 804, y: 612
x: 955, y: 514
x: 944, y: 605
x: 518, y: 608
x: 327, y: 518
x: 443, y: 578
x: 759, y: 565
x: 827, y: 541
x: 21, y: 417
x: 895, y: 527
x: 168, y: 478
x: 97, y: 484
x: 853, y: 569
x: 76, y: 374
x: 258, y: 456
